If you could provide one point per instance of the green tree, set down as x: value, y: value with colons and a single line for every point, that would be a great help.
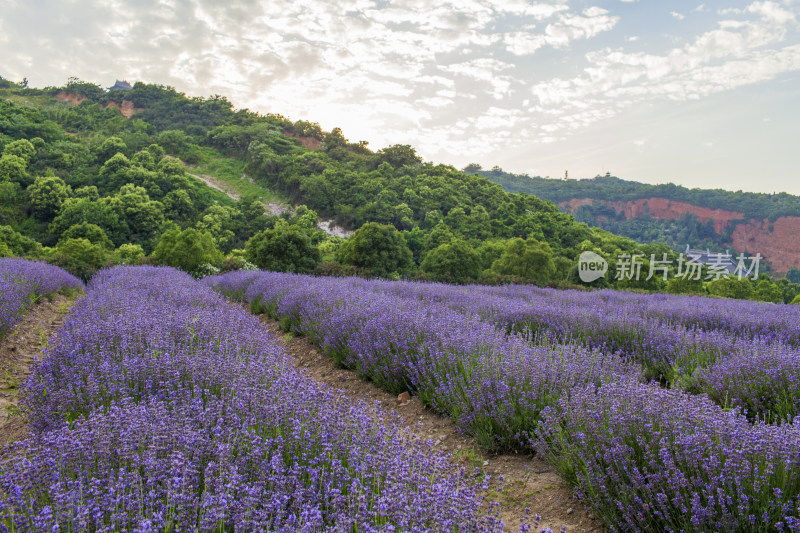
x: 490, y: 251
x: 796, y: 300
x: 21, y: 148
x: 731, y: 287
x: 455, y: 260
x: 110, y: 147
x: 282, y: 249
x: 47, y: 195
x: 187, y: 249
x: 399, y: 155
x: 12, y: 168
x: 19, y: 244
x: 766, y: 290
x: 79, y: 257
x: 685, y: 285
x: 129, y: 254
x: 91, y: 232
x: 377, y: 248
x: 528, y: 259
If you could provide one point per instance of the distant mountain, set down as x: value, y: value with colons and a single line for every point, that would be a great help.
x: 768, y: 224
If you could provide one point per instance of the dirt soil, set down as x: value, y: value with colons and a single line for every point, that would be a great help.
x: 18, y: 351
x: 528, y: 481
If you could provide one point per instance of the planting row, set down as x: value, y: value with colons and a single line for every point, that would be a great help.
x: 163, y: 407
x: 645, y: 457
x: 760, y: 375
x: 23, y: 282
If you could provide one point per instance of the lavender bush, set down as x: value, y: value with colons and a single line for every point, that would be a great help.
x: 491, y: 384
x: 161, y: 407
x: 647, y: 458
x: 650, y: 459
x: 22, y: 282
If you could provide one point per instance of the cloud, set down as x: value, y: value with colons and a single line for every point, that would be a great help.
x: 460, y: 76
x: 737, y: 53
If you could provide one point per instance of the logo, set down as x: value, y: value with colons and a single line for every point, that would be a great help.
x: 591, y: 266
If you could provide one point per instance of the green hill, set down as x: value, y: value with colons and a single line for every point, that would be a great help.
x: 79, y: 158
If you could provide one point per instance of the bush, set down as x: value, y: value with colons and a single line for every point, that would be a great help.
x: 187, y: 249
x: 455, y: 260
x: 377, y: 248
x: 283, y: 249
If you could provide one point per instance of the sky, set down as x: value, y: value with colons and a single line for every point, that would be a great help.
x: 700, y: 94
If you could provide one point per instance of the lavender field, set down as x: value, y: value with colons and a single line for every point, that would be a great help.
x: 666, y: 413
x: 161, y: 406
x: 23, y: 282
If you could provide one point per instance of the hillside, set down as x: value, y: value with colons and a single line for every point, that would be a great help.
x: 137, y: 163
x: 672, y: 214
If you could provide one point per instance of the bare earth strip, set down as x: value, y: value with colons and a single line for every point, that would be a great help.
x: 528, y: 481
x: 18, y: 351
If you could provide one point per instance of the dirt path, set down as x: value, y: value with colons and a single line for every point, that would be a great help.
x: 528, y: 481
x: 18, y: 350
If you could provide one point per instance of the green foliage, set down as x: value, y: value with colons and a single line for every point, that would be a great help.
x: 186, y: 250
x: 731, y: 287
x: 685, y: 285
x: 766, y: 290
x: 47, y: 195
x: 456, y: 260
x: 80, y: 257
x: 91, y: 232
x: 526, y: 258
x: 796, y: 300
x: 18, y: 244
x: 282, y: 249
x: 12, y: 168
x: 21, y: 148
x: 129, y: 254
x: 377, y: 248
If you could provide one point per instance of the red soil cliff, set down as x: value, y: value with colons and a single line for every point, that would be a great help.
x: 778, y: 243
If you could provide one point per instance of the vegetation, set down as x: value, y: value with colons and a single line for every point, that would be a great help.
x: 74, y: 173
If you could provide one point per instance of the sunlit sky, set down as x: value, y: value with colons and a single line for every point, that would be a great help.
x: 700, y: 94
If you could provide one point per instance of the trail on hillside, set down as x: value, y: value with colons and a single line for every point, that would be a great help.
x: 18, y: 352
x: 528, y: 481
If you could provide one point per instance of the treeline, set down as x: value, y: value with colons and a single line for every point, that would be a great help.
x: 83, y: 187
x: 611, y: 188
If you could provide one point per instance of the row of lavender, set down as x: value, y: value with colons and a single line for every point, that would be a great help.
x: 23, y: 282
x: 646, y: 458
x: 163, y: 407
x: 738, y: 368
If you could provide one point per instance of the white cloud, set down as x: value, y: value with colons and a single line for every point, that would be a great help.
x: 677, y: 15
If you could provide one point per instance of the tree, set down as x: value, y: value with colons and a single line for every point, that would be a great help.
x: 187, y: 249
x: 129, y: 254
x: 18, y: 243
x: 110, y: 147
x: 796, y: 300
x: 47, y: 195
x: 12, y: 168
x: 731, y: 287
x: 282, y: 249
x: 766, y: 290
x: 80, y: 257
x: 528, y: 259
x: 399, y: 155
x: 377, y: 248
x: 685, y: 285
x: 21, y: 148
x: 455, y: 260
x: 91, y: 232
x: 793, y: 275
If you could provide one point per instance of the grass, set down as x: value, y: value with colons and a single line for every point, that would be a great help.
x: 229, y: 174
x: 38, y: 100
